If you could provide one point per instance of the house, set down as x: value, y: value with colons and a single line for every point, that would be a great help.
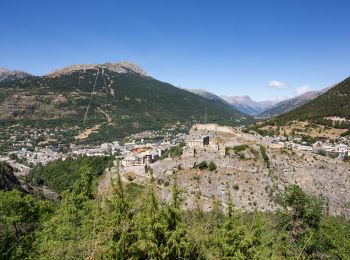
x: 342, y: 148
x: 128, y: 161
x: 200, y: 142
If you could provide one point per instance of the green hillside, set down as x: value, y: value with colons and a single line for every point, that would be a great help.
x: 334, y: 103
x: 121, y: 103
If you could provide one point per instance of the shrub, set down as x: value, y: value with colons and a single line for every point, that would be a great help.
x: 212, y: 166
x: 203, y: 165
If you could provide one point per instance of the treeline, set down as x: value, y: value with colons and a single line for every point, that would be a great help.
x: 118, y: 226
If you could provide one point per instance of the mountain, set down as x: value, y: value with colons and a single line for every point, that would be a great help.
x: 11, y: 75
x: 246, y: 105
x: 206, y: 94
x: 292, y: 103
x: 326, y: 109
x: 118, y: 99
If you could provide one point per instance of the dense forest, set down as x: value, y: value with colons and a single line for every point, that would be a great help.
x: 129, y: 222
x: 61, y: 174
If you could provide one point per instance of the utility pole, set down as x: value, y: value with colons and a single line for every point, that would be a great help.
x: 205, y: 115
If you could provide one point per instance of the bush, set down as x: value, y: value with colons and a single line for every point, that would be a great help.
x: 203, y: 165
x: 322, y: 152
x: 212, y: 166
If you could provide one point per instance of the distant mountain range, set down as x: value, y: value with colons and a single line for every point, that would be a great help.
x: 263, y: 109
x: 119, y: 97
x: 292, y: 103
x: 247, y: 105
x: 11, y: 75
x: 241, y: 103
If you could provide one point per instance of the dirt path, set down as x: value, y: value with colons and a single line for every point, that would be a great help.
x: 87, y: 132
x: 92, y: 93
x: 109, y: 86
x: 109, y: 119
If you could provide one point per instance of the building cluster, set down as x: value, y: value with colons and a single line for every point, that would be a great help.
x: 209, y: 137
x: 340, y: 147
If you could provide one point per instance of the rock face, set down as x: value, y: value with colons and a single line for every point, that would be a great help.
x: 11, y: 75
x: 8, y: 181
x: 120, y: 67
x: 253, y: 177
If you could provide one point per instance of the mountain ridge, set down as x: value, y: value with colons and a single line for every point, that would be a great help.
x: 334, y: 102
x: 7, y: 75
x: 290, y: 104
x: 120, y: 101
x: 247, y: 105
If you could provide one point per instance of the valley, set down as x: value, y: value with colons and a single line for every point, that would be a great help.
x: 104, y: 138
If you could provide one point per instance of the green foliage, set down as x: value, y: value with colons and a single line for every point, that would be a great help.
x: 322, y: 152
x: 173, y: 151
x: 254, y: 152
x: 300, y: 219
x: 131, y: 223
x: 212, y: 166
x: 202, y: 165
x: 265, y: 156
x: 237, y: 149
x: 20, y: 216
x: 61, y: 174
x: 238, y: 239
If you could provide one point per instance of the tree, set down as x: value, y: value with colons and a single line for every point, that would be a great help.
x: 238, y: 239
x: 300, y: 218
x: 20, y: 216
x: 73, y: 221
x: 161, y: 231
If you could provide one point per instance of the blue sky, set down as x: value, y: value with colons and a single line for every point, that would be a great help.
x: 262, y: 48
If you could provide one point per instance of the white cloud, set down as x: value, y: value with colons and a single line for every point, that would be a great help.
x: 277, y: 84
x: 303, y: 89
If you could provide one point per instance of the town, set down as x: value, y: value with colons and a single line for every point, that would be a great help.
x: 147, y: 148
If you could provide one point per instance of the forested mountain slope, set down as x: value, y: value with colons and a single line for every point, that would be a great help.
x: 120, y: 97
x: 326, y: 109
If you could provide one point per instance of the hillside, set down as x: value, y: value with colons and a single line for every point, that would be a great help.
x: 117, y: 99
x: 206, y: 94
x: 330, y: 108
x: 289, y: 104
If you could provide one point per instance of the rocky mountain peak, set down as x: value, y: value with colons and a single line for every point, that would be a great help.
x: 11, y: 75
x: 3, y: 70
x: 120, y: 67
x: 126, y: 66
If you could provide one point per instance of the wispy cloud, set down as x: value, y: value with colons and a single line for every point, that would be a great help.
x: 303, y: 89
x: 277, y: 84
